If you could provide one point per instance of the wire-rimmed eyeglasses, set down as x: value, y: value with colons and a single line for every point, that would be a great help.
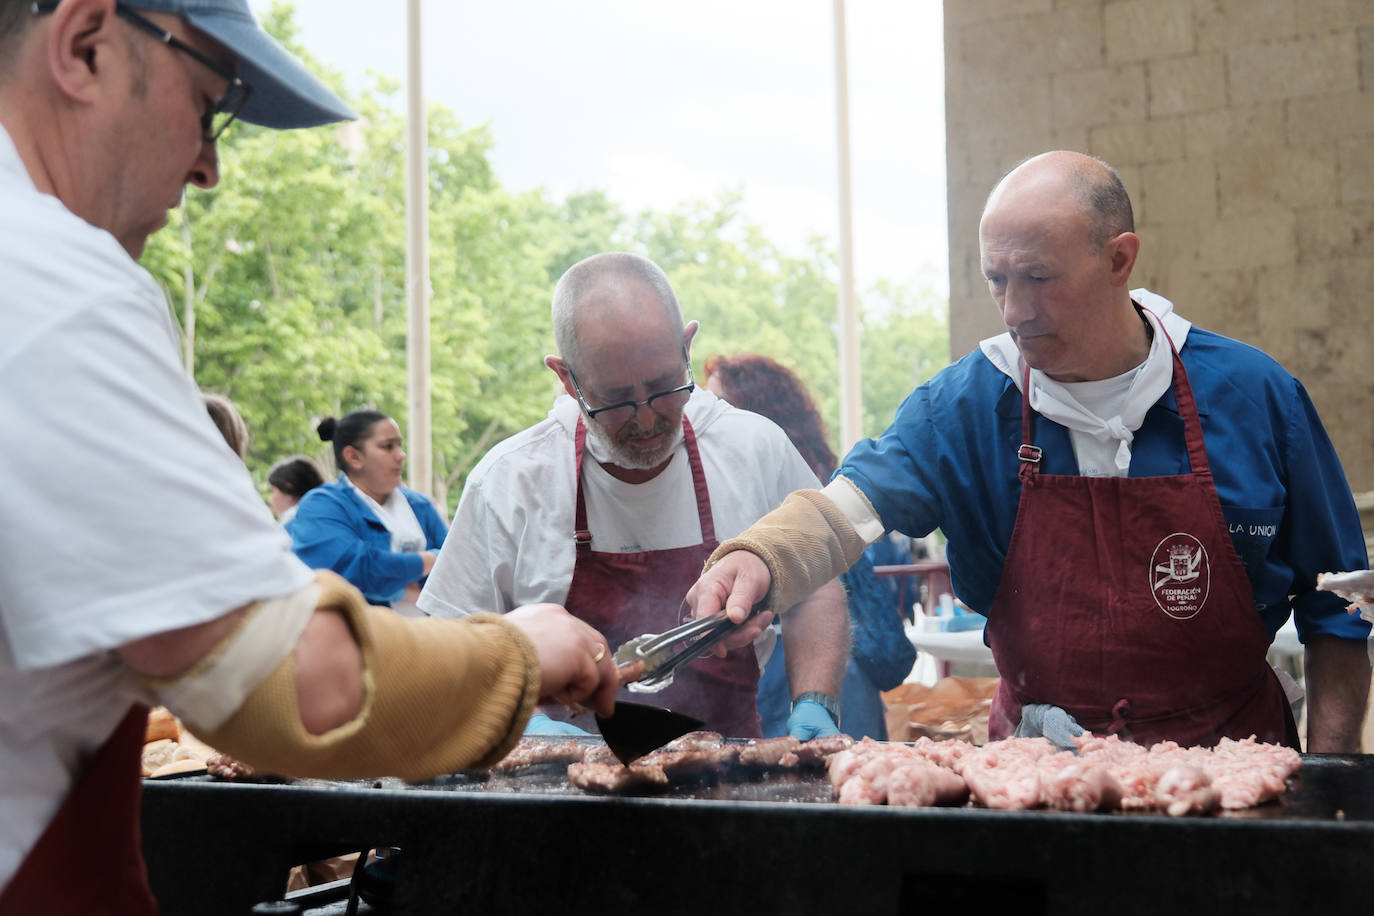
x: 236, y: 92
x: 663, y: 401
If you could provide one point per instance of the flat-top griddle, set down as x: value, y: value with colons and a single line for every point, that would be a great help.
x: 531, y: 843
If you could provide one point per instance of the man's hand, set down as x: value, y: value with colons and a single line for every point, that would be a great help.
x: 737, y: 582
x: 575, y: 665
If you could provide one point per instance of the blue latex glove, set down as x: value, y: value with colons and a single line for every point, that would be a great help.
x: 541, y: 724
x: 810, y: 720
x: 1043, y: 720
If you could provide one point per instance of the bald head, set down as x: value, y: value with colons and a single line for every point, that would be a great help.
x: 1057, y: 251
x: 608, y: 289
x: 1084, y: 182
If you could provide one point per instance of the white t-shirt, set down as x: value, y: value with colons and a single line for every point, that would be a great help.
x: 124, y: 512
x: 511, y: 542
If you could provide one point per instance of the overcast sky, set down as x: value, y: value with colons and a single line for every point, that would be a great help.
x: 662, y: 101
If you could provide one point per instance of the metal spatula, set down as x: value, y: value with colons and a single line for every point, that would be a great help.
x: 635, y: 729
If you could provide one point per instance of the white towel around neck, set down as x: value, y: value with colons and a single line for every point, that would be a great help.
x: 397, y: 516
x: 1102, y: 445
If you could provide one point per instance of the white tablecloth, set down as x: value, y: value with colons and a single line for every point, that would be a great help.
x: 938, y: 650
x: 965, y: 646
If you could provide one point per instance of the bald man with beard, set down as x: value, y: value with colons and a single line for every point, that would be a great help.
x: 1136, y: 504
x: 611, y: 505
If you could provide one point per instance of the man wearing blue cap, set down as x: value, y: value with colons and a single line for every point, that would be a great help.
x: 138, y: 564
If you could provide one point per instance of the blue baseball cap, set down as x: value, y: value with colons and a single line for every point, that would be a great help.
x: 283, y: 93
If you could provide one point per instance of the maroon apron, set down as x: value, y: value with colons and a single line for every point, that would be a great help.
x: 625, y: 595
x: 89, y: 859
x: 1124, y: 602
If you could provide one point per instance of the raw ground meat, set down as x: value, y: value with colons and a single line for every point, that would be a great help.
x: 945, y: 753
x: 1107, y: 774
x: 868, y: 785
x: 922, y: 784
x: 1248, y: 773
x: 1070, y: 784
x: 1186, y: 789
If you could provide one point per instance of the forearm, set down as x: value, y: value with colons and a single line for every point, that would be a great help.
x: 349, y: 690
x: 329, y: 673
x: 807, y: 541
x: 328, y: 662
x: 1337, y: 673
x: 170, y: 654
x: 815, y: 637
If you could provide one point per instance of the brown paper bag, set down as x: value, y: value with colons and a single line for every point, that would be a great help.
x: 952, y: 708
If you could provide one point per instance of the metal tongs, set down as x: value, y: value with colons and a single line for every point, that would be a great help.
x: 664, y: 653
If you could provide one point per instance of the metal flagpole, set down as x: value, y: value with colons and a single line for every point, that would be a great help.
x: 851, y: 400
x: 417, y: 261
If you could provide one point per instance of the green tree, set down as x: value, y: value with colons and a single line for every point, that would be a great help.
x: 904, y: 341
x: 290, y: 277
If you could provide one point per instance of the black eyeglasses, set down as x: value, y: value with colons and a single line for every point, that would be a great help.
x: 213, y: 122
x: 664, y: 401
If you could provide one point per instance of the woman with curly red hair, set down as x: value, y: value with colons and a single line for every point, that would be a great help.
x: 758, y: 383
x: 881, y: 655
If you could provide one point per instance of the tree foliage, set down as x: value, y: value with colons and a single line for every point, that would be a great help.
x: 296, y: 272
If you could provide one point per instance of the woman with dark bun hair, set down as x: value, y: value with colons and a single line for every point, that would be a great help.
x: 289, y: 480
x: 882, y: 656
x: 365, y: 526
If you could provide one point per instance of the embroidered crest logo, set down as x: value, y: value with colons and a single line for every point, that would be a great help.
x: 1180, y: 575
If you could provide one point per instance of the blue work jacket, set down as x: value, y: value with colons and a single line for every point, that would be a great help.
x: 949, y: 461
x: 334, y: 529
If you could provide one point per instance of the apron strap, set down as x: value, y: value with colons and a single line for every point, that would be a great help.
x: 581, y: 533
x: 703, y: 493
x: 1187, y: 409
x: 1027, y: 454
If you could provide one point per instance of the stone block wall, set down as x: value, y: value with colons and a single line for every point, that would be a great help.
x: 1244, y: 132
